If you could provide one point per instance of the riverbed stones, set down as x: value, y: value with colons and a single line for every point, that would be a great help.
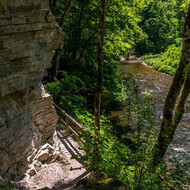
x: 28, y: 37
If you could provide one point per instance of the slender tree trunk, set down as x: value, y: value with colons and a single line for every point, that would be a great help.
x: 99, y: 80
x: 66, y: 12
x: 175, y: 100
x: 54, y: 2
x: 78, y: 34
x: 56, y: 59
x: 83, y: 49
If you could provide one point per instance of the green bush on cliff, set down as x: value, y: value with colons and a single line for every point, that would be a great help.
x: 68, y: 93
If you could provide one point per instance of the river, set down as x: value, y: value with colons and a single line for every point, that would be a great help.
x: 158, y: 84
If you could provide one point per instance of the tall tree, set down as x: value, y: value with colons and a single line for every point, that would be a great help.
x: 56, y: 59
x: 176, y: 98
x: 100, y: 59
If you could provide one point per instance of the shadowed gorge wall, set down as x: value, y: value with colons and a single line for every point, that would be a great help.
x: 28, y: 37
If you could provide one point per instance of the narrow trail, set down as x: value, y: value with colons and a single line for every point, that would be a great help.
x: 60, y: 175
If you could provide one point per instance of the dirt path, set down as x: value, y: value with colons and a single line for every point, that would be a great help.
x: 59, y: 175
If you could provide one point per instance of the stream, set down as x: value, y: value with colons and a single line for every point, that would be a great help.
x: 158, y: 84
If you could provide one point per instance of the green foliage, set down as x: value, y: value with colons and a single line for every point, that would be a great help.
x: 162, y: 23
x: 114, y: 158
x: 129, y: 163
x: 112, y: 81
x: 9, y: 186
x: 166, y: 62
x: 79, y: 53
x: 67, y: 93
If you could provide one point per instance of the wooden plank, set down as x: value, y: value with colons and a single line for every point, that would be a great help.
x: 69, y: 128
x: 67, y: 125
x: 72, y: 130
x: 71, y: 119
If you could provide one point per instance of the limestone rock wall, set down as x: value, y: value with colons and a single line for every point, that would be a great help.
x: 28, y: 37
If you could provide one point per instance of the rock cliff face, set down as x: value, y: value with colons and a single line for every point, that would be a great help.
x: 28, y: 37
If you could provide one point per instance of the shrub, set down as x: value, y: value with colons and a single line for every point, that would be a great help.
x: 166, y: 62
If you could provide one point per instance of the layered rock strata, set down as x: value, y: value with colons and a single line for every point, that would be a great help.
x: 28, y: 37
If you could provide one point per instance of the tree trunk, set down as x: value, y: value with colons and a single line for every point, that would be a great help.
x: 66, y: 12
x: 175, y: 100
x: 78, y: 34
x: 56, y: 59
x: 54, y: 3
x: 99, y: 80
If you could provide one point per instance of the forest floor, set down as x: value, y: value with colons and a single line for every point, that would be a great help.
x: 59, y: 174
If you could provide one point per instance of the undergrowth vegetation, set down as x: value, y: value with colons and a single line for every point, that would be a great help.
x: 125, y: 161
x: 166, y: 62
x: 130, y: 163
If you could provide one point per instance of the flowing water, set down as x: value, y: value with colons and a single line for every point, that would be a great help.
x: 158, y: 85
